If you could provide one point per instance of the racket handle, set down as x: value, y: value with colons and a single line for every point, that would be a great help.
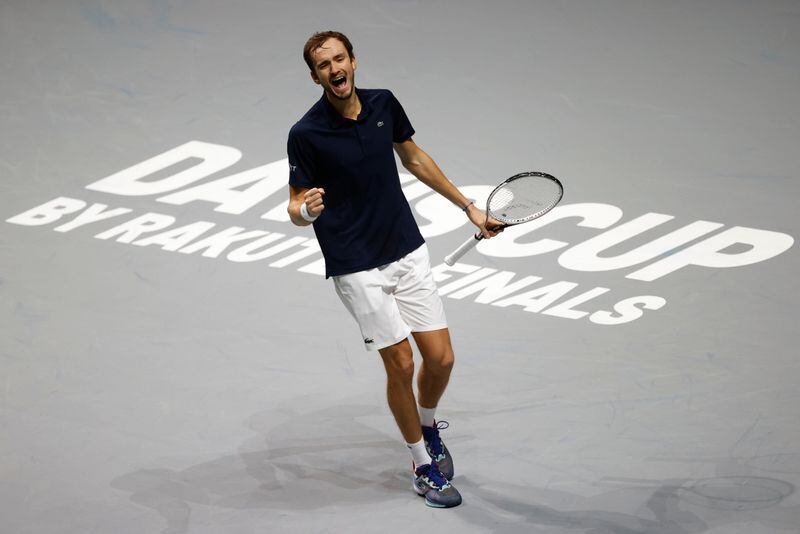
x: 468, y: 245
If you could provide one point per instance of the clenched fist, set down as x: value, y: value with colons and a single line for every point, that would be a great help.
x: 313, y: 201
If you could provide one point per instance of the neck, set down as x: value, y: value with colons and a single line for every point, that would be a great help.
x: 350, y: 108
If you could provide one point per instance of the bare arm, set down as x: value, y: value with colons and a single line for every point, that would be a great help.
x: 421, y: 165
x: 312, y: 198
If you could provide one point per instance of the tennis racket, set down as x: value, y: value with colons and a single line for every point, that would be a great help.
x: 521, y: 198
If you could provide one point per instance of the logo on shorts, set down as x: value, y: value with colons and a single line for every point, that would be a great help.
x: 380, y: 123
x: 368, y: 340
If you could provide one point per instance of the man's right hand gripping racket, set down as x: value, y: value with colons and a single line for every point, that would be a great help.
x: 522, y: 198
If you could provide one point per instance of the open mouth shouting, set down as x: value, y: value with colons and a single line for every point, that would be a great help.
x: 339, y: 84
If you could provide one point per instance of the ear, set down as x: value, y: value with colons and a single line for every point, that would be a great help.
x: 314, y: 77
x: 355, y: 64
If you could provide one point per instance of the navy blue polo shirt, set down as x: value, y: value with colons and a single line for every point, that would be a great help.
x: 367, y: 221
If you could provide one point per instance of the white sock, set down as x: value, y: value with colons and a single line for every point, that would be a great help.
x: 426, y: 415
x: 418, y: 453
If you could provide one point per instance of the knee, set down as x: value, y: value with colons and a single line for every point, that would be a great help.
x: 399, y: 366
x: 443, y: 364
x: 402, y: 371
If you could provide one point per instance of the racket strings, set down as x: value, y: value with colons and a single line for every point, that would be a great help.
x: 524, y: 198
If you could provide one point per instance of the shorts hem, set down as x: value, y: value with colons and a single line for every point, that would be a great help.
x: 374, y: 347
x: 430, y: 328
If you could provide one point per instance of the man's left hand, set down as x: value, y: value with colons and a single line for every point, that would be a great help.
x: 488, y: 226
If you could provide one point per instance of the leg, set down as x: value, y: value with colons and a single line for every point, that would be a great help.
x: 399, y: 362
x: 437, y: 362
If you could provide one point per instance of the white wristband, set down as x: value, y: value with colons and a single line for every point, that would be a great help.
x: 304, y: 213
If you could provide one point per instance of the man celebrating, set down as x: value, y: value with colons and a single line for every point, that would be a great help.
x: 344, y: 180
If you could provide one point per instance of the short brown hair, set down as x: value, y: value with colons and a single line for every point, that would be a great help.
x: 316, y: 41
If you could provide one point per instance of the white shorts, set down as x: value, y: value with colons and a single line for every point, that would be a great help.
x: 391, y: 301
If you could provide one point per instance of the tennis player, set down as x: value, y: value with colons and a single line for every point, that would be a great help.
x: 343, y: 179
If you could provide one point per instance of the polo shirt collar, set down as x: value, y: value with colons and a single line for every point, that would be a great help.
x: 336, y: 119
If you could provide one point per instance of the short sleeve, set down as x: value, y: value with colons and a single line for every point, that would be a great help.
x: 300, y: 162
x: 402, y: 130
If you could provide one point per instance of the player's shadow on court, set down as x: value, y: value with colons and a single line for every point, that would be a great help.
x: 308, y: 461
x: 327, y: 459
x: 678, y: 506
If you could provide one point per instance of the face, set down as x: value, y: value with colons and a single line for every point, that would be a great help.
x: 334, y: 69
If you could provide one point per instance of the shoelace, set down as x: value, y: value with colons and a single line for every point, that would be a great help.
x: 436, y: 449
x: 436, y: 477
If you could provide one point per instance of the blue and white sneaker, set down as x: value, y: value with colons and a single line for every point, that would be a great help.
x: 430, y: 483
x: 437, y: 449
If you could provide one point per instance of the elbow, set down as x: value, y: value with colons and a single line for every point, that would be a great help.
x: 292, y: 215
x: 411, y: 165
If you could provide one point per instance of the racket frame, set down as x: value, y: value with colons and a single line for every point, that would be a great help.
x: 475, y: 239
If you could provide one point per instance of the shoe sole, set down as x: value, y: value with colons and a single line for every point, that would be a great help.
x: 429, y: 503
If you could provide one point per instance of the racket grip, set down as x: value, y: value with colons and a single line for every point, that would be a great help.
x: 468, y: 245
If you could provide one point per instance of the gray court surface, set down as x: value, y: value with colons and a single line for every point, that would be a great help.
x: 154, y: 382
